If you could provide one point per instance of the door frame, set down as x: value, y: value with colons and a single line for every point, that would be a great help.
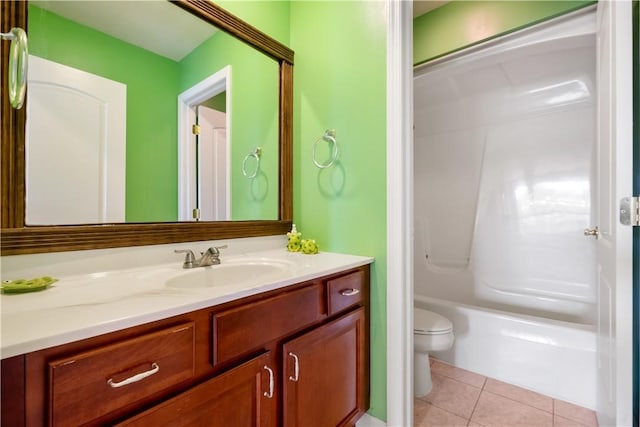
x: 187, y: 101
x: 399, y: 291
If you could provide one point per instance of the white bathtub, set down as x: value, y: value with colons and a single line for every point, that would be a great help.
x: 551, y: 357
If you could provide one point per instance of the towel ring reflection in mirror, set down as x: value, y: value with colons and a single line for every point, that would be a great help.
x: 255, y: 154
x: 18, y: 58
x: 330, y: 137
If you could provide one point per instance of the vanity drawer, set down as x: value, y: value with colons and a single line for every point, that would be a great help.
x: 242, y: 329
x: 345, y: 291
x: 88, y: 385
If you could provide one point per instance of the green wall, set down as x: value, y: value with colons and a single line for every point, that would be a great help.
x: 218, y: 102
x: 340, y: 83
x: 271, y: 17
x: 254, y: 118
x: 151, y: 166
x: 460, y: 24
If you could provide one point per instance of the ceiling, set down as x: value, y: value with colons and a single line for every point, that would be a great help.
x: 420, y: 7
x: 129, y: 21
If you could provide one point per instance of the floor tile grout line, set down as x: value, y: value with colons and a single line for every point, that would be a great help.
x: 552, y: 411
x: 475, y: 405
x: 522, y: 403
x: 462, y: 382
x: 446, y: 410
x: 484, y: 381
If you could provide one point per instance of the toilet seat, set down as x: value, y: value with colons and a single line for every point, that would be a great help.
x: 429, y: 323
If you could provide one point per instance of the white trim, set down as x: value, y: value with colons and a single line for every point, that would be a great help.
x: 399, y: 213
x: 228, y: 132
x: 187, y: 100
x: 622, y: 57
x: 615, y: 263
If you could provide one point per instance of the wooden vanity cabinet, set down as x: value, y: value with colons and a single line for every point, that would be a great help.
x: 230, y: 365
x: 324, y: 379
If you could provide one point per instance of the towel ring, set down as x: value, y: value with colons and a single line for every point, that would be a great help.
x: 330, y: 137
x: 255, y: 154
x: 18, y: 58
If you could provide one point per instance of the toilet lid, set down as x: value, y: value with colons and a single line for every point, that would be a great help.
x: 427, y: 322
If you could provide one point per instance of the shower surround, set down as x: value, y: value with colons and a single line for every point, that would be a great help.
x: 504, y: 189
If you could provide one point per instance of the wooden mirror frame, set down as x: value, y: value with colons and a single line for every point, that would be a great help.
x: 18, y: 238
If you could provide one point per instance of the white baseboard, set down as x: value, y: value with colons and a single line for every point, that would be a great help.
x: 368, y: 421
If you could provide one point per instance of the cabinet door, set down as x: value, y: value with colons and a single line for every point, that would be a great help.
x: 325, y: 374
x: 241, y: 397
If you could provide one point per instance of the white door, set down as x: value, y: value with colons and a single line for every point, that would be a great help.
x: 75, y: 146
x: 614, y: 243
x: 212, y: 165
x: 188, y: 102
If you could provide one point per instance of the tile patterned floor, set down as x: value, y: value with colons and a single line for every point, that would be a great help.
x: 463, y: 398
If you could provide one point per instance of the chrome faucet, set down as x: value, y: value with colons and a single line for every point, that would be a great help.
x: 210, y: 257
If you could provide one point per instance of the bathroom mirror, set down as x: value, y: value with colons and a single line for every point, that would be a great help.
x: 20, y: 237
x: 126, y: 92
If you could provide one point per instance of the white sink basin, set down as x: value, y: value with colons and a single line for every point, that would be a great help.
x: 231, y: 273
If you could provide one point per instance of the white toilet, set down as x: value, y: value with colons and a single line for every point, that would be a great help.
x: 431, y: 332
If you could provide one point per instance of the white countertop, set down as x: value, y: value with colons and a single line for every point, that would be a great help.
x: 82, y: 306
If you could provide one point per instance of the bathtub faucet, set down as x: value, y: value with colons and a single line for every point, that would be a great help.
x: 210, y: 257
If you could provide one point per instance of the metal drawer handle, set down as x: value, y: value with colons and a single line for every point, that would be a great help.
x: 296, y: 368
x: 154, y: 369
x: 349, y: 292
x: 270, y: 393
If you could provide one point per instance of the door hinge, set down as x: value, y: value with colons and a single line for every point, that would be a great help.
x: 196, y: 214
x: 195, y: 129
x: 630, y: 211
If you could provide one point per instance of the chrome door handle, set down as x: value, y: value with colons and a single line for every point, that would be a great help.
x: 592, y: 232
x: 296, y: 368
x: 269, y: 395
